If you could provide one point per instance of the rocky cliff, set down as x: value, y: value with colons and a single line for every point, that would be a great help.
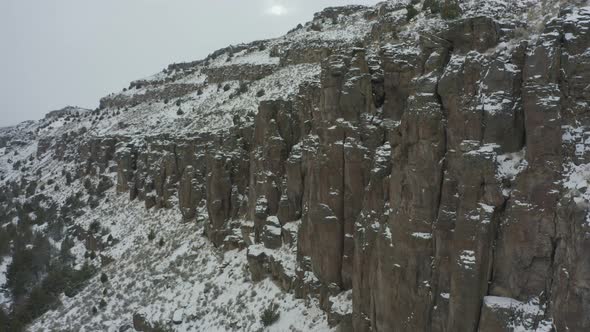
x: 412, y: 166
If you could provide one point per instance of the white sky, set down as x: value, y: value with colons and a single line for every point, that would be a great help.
x: 55, y: 53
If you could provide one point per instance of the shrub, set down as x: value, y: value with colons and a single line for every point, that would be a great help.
x: 179, y: 112
x: 260, y: 93
x: 76, y: 279
x: 104, y: 278
x: 4, y: 242
x: 433, y: 5
x: 38, y: 302
x: 243, y: 87
x: 450, y: 10
x: 87, y: 184
x: 45, y: 296
x: 4, y: 320
x: 151, y: 235
x: 160, y: 327
x: 102, y: 304
x: 226, y: 87
x: 19, y: 274
x: 65, y: 255
x: 93, y: 202
x: 94, y: 227
x: 161, y: 242
x: 270, y: 315
x: 411, y: 12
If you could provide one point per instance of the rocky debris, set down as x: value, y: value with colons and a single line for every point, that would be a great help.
x: 4, y: 141
x: 498, y: 314
x: 271, y: 233
x: 275, y: 264
x: 257, y: 264
x: 178, y: 316
x: 125, y: 328
x: 140, y: 323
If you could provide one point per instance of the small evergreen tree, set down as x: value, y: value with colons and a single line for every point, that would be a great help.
x: 19, y: 274
x: 411, y: 12
x: 270, y: 315
x: 94, y: 227
x: 4, y: 321
x: 450, y: 10
x: 151, y: 235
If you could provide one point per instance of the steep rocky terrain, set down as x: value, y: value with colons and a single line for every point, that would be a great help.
x: 413, y: 166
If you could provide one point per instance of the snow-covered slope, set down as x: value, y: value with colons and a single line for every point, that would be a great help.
x: 413, y: 165
x: 206, y: 288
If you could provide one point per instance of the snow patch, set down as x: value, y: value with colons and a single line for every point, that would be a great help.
x: 509, y: 165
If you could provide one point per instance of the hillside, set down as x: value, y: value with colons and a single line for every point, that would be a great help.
x: 411, y: 166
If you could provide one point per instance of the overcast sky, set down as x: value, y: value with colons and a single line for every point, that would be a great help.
x: 73, y: 52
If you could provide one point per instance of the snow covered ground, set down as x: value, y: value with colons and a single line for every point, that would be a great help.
x: 186, y: 283
x: 4, y: 263
x: 186, y: 279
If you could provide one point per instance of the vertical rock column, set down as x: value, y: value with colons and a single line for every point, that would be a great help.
x: 336, y: 169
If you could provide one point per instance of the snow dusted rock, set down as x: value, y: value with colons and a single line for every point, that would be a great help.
x: 271, y: 233
x: 178, y: 316
x: 498, y: 314
x: 257, y: 263
x: 140, y: 323
x: 125, y: 328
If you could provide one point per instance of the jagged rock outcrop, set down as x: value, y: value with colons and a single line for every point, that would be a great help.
x: 433, y: 173
x: 397, y: 172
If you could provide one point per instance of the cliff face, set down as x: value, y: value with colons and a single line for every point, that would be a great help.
x: 413, y: 174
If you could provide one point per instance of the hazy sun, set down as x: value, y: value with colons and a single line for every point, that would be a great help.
x: 277, y: 10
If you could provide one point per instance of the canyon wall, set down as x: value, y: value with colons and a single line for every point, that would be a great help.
x: 438, y: 180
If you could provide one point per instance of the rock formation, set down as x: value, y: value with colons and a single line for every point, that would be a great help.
x: 434, y: 168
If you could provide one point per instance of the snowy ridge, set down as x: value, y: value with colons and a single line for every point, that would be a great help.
x: 179, y: 278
